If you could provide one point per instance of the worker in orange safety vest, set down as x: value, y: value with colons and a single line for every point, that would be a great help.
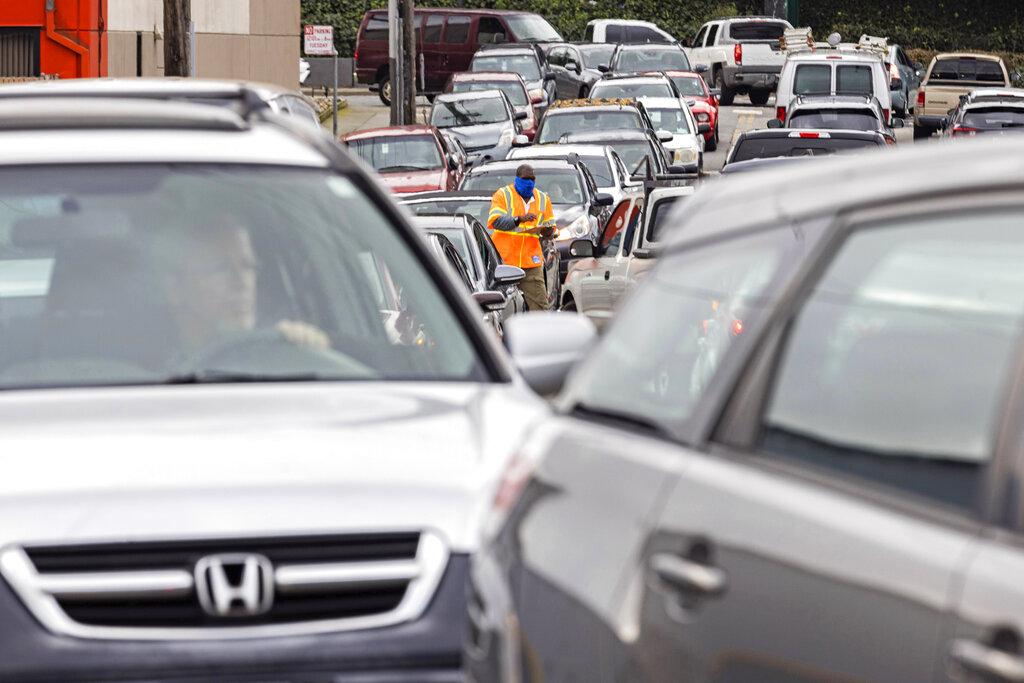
x: 518, y: 217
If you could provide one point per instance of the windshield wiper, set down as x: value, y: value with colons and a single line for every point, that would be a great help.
x: 401, y: 167
x: 604, y: 414
x: 214, y: 376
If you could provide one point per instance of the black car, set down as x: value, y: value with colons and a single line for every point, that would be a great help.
x: 796, y: 454
x: 786, y: 142
x: 575, y: 66
x: 648, y: 57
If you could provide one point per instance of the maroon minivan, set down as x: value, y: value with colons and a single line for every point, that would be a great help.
x: 447, y: 40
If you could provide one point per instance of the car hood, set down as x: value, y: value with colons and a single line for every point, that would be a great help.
x: 480, y: 136
x: 415, y: 181
x: 234, y: 460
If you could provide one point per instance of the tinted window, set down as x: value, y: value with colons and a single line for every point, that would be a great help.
x: 644, y: 34
x: 652, y: 60
x: 600, y: 169
x: 994, y: 118
x: 532, y: 28
x: 516, y: 93
x: 432, y: 32
x: 812, y: 78
x: 690, y: 85
x: 854, y: 80
x: 458, y: 239
x: 761, y: 148
x: 557, y: 56
x: 673, y: 120
x: 613, y: 89
x: 660, y: 355
x: 524, y: 65
x: 845, y: 119
x: 967, y: 69
x: 895, y: 368
x: 613, y: 33
x: 376, y: 27
x: 456, y: 31
x: 557, y: 123
x: 489, y: 28
x: 448, y: 114
x: 594, y: 57
x: 698, y: 41
x: 756, y: 30
x: 632, y: 153
x: 476, y: 208
x: 712, y: 33
x: 397, y: 153
x: 659, y: 213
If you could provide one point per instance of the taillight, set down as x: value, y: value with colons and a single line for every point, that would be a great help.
x: 885, y: 116
x: 510, y: 488
x: 963, y: 131
x: 780, y: 114
x: 356, y: 55
x: 737, y: 52
x: 893, y: 71
x: 920, y: 98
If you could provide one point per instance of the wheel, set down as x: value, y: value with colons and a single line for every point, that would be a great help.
x: 921, y: 132
x: 569, y: 305
x: 726, y: 94
x: 711, y: 144
x: 384, y: 91
x: 430, y: 98
x: 759, y: 97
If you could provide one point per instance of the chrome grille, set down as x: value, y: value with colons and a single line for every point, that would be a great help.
x: 151, y: 590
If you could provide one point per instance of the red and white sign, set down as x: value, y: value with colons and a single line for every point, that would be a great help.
x: 319, y: 40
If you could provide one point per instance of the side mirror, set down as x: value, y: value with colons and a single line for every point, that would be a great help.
x: 537, y: 100
x: 896, y: 84
x: 520, y: 141
x: 549, y: 76
x: 508, y: 275
x: 453, y: 163
x: 581, y: 249
x: 489, y: 301
x: 774, y: 123
x: 897, y: 123
x: 472, y: 161
x: 603, y: 68
x: 664, y: 136
x: 700, y: 68
x: 544, y: 346
x: 715, y: 92
x: 705, y: 128
x: 950, y: 112
x: 683, y: 169
x: 604, y: 199
x: 522, y: 116
x: 690, y: 101
x: 645, y: 252
x: 573, y: 66
x: 918, y: 66
x: 1014, y: 77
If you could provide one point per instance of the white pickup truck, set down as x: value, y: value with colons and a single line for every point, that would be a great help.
x: 603, y: 274
x: 742, y: 54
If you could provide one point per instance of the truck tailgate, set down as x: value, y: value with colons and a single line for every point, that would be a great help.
x: 939, y: 99
x: 762, y: 54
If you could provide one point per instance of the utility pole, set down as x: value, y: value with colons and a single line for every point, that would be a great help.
x: 395, y: 64
x: 177, y: 22
x: 409, y: 61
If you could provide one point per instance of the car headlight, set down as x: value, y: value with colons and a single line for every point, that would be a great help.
x: 703, y: 117
x: 539, y: 92
x: 506, y: 137
x: 578, y: 228
x: 684, y: 156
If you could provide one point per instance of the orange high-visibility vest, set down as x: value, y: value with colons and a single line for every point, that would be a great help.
x: 517, y: 248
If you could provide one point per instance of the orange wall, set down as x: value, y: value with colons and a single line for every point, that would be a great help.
x: 72, y: 38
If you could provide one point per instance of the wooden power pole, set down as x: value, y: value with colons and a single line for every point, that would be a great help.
x: 409, y: 57
x: 177, y: 20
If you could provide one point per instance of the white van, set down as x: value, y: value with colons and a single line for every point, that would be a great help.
x: 625, y: 31
x: 836, y: 68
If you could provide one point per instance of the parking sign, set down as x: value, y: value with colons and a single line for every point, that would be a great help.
x: 319, y: 40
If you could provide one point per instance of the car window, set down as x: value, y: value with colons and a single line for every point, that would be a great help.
x: 476, y: 208
x: 515, y: 92
x: 756, y: 30
x: 572, y: 56
x: 600, y: 169
x: 673, y: 120
x: 690, y: 85
x: 659, y: 217
x: 563, y: 187
x: 632, y: 154
x: 854, y: 80
x: 698, y: 41
x: 845, y: 119
x: 652, y: 60
x: 449, y: 114
x: 559, y: 122
x: 532, y: 28
x: 994, y: 118
x: 597, y: 55
x: 490, y: 30
x: 376, y: 27
x: 524, y: 65
x: 762, y: 148
x: 397, y: 153
x: 615, y: 225
x: 109, y: 275
x: 661, y: 354
x: 432, y: 30
x: 712, y: 34
x: 895, y: 368
x: 812, y: 78
x: 645, y: 34
x: 456, y: 31
x: 634, y: 219
x: 613, y: 33
x: 454, y: 261
x: 557, y: 55
x: 612, y: 89
x: 457, y: 237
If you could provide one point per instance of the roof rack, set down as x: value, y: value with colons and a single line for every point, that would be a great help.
x: 114, y: 113
x: 595, y: 102
x: 796, y: 40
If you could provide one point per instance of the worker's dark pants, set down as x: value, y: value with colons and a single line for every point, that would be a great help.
x: 534, y: 290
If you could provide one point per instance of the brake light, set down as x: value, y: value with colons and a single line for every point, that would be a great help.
x: 737, y: 327
x: 834, y: 57
x: 808, y: 135
x: 964, y: 131
x: 920, y: 98
x: 893, y: 71
x: 737, y: 52
x: 356, y: 55
x: 780, y: 114
x: 885, y: 116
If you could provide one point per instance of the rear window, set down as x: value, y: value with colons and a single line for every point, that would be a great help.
x: 398, y: 153
x: 594, y: 57
x: 516, y: 93
x: 854, y: 80
x: 994, y: 118
x: 556, y: 124
x: 756, y: 30
x: 563, y: 187
x: 763, y: 148
x: 652, y: 59
x: 812, y: 78
x: 524, y: 65
x: 376, y: 28
x: 614, y: 89
x: 967, y: 69
x: 844, y: 119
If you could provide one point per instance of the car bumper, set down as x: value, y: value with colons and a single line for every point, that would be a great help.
x: 760, y: 78
x: 933, y: 122
x: 427, y: 649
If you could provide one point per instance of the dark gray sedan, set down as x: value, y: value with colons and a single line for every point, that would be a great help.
x: 797, y: 453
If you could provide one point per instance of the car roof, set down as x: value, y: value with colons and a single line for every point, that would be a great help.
x: 171, y: 87
x: 1002, y: 103
x: 662, y: 102
x: 795, y: 132
x: 973, y: 55
x: 510, y: 49
x: 768, y: 162
x: 435, y: 221
x: 674, y: 72
x: 917, y: 172
x: 52, y: 131
x: 390, y: 131
x: 634, y: 76
x: 444, y: 194
x: 649, y: 46
x: 610, y: 134
x: 491, y: 93
x: 1007, y: 93
x: 832, y: 101
x: 512, y: 164
x: 829, y: 56
x: 629, y: 22
x: 487, y: 76
x: 611, y: 103
x: 561, y: 150
x: 460, y: 10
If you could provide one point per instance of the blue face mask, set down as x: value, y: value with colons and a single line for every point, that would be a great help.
x: 524, y: 188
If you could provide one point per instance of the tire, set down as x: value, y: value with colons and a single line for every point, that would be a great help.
x: 920, y: 132
x: 711, y: 144
x: 569, y: 305
x: 759, y: 97
x: 430, y: 98
x: 726, y: 94
x: 384, y: 90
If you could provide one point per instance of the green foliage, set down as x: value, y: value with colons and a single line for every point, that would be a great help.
x: 993, y: 25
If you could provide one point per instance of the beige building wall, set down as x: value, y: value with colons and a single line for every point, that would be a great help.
x: 255, y: 40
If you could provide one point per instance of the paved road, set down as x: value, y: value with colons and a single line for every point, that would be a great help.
x: 366, y: 111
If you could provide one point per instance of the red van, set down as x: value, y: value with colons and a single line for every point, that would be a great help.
x: 447, y: 40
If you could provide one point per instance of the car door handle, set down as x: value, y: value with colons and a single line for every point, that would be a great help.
x: 607, y: 274
x: 688, y: 576
x: 987, y: 662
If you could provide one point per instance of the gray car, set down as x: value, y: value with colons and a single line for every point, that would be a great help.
x: 484, y: 121
x: 575, y: 66
x: 910, y: 73
x: 795, y: 454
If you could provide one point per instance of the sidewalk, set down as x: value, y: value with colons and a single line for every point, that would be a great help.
x: 362, y: 117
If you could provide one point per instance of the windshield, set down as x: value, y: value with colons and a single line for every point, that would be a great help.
x: 843, y: 119
x: 994, y: 118
x: 557, y: 123
x: 458, y: 238
x: 187, y: 273
x: 600, y: 169
x: 524, y: 65
x: 632, y: 153
x: 690, y: 86
x: 448, y: 114
x: 652, y: 59
x: 532, y: 28
x: 515, y: 92
x: 398, y: 153
x: 673, y: 120
x: 762, y: 148
x: 474, y: 207
x: 612, y: 89
x: 563, y: 187
x: 597, y: 55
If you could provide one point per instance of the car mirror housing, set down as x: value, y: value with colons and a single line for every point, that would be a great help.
x: 522, y: 116
x: 520, y: 141
x: 573, y: 66
x: 489, y: 301
x: 604, y: 199
x: 714, y: 92
x: 546, y: 345
x: 581, y: 249
x: 700, y: 68
x: 549, y: 76
x: 897, y: 123
x: 774, y: 123
x: 664, y: 136
x: 603, y: 68
x: 896, y: 84
x: 508, y: 275
x: 704, y: 128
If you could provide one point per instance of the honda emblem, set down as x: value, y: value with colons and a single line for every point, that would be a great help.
x: 235, y: 585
